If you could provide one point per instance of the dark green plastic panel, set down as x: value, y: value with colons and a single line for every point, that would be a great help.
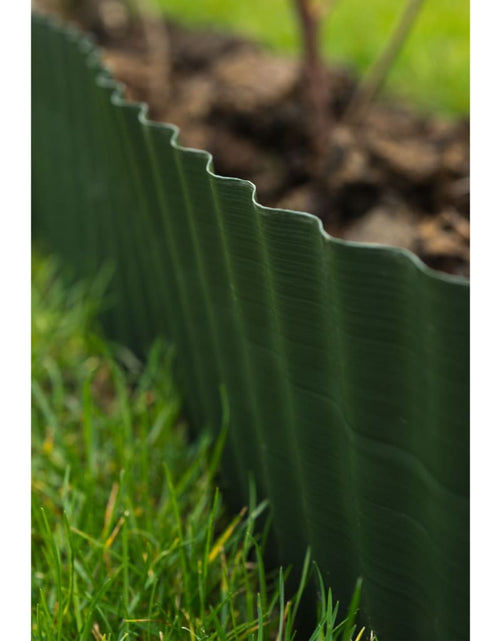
x: 345, y: 367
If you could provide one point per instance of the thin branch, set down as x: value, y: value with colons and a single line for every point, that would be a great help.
x: 315, y: 79
x: 371, y: 84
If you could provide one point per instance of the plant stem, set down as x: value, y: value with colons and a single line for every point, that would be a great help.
x: 316, y: 89
x: 377, y: 74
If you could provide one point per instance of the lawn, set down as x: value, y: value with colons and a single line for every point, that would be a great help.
x: 130, y: 536
x: 432, y: 70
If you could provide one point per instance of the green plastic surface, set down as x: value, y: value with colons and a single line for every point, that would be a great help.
x: 345, y: 368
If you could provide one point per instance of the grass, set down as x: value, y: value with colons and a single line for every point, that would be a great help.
x: 432, y: 70
x: 130, y: 539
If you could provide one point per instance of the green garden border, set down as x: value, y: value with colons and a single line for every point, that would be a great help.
x: 343, y: 368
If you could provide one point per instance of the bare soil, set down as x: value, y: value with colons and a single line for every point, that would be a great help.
x: 396, y: 177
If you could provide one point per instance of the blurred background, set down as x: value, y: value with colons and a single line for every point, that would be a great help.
x: 432, y: 69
